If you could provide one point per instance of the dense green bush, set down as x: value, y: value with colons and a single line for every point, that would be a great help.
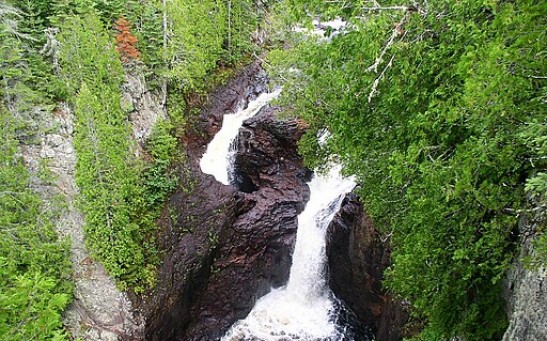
x: 34, y: 265
x: 444, y: 134
x: 204, y: 34
x: 160, y: 180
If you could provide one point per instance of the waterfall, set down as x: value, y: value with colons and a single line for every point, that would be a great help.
x: 303, y: 309
x: 217, y: 159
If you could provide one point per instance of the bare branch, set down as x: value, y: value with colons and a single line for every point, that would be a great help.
x: 51, y: 47
x: 374, y: 89
x: 398, y: 31
x: 386, y: 238
x: 535, y: 77
x: 385, y: 8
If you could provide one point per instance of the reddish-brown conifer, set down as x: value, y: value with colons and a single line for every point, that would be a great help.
x: 125, y: 41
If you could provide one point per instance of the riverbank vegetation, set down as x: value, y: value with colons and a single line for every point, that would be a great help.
x: 439, y: 109
x: 79, y: 52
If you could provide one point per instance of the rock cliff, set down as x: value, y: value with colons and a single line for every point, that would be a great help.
x: 526, y: 291
x: 99, y: 311
x: 225, y: 246
x: 357, y: 258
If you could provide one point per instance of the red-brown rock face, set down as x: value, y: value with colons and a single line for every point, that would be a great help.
x: 357, y: 258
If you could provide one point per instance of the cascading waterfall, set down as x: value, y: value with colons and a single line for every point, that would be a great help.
x: 304, y: 308
x: 217, y: 160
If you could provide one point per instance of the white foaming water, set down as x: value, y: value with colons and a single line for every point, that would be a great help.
x: 336, y: 26
x: 302, y: 309
x: 217, y: 159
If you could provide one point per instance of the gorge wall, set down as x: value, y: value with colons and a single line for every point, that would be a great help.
x: 357, y: 258
x: 526, y: 290
x: 99, y: 310
x: 226, y: 247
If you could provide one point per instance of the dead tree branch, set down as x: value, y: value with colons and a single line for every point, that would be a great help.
x: 398, y: 31
x: 374, y: 89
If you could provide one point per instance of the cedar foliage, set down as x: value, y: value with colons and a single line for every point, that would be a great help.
x: 34, y: 265
x: 205, y: 34
x: 119, y: 223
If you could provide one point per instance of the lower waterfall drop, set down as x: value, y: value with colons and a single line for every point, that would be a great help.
x: 304, y: 309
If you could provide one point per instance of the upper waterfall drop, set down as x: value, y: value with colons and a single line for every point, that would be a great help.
x: 216, y: 160
x: 304, y: 308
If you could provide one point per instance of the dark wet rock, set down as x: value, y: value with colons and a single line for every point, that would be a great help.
x: 357, y: 258
x: 197, y: 218
x: 267, y: 153
x: 256, y: 255
x: 224, y: 248
x: 348, y: 325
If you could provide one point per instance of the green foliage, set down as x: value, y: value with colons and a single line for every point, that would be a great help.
x: 242, y: 20
x: 446, y: 144
x: 119, y: 228
x: 107, y: 10
x: 159, y: 179
x: 196, y: 37
x: 34, y: 265
x: 22, y: 70
x: 204, y: 34
x: 147, y: 21
x: 177, y: 111
x: 88, y: 55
